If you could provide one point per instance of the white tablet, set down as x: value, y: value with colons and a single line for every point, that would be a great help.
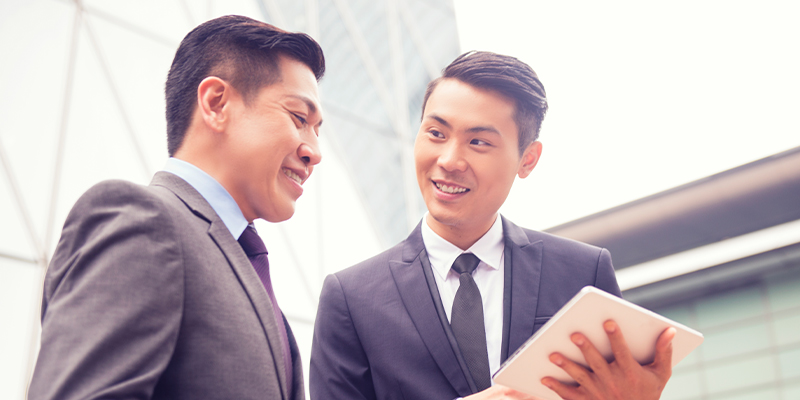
x: 585, y: 313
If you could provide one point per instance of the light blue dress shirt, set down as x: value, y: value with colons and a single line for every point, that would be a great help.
x: 211, y: 190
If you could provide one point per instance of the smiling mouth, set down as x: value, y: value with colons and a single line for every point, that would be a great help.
x: 292, y: 176
x: 450, y: 189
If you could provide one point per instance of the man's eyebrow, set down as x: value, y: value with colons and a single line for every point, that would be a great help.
x: 488, y: 129
x: 474, y: 129
x: 439, y: 119
x: 312, y: 107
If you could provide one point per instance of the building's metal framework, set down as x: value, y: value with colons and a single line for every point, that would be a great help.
x: 380, y: 56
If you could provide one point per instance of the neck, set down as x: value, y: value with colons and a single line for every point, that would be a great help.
x: 460, y: 235
x: 206, y: 153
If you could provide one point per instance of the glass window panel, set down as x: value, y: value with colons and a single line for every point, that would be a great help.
x: 791, y: 392
x: 20, y: 289
x: 683, y: 386
x: 730, y: 307
x: 734, y: 341
x: 166, y: 20
x: 760, y: 394
x: 787, y: 329
x: 14, y: 238
x: 138, y: 70
x: 784, y: 294
x: 680, y: 313
x: 690, y: 361
x: 741, y: 374
x: 98, y: 142
x: 789, y: 361
x: 34, y: 42
x: 218, y: 8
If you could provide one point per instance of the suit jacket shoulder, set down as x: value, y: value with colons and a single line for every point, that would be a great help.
x: 368, y: 272
x: 566, y: 266
x: 149, y: 296
x: 561, y: 248
x: 113, y: 281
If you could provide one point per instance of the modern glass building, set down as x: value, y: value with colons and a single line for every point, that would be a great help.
x: 83, y: 102
x: 752, y: 344
x: 720, y: 255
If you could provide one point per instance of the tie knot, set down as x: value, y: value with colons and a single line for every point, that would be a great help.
x: 466, y: 263
x: 251, y: 242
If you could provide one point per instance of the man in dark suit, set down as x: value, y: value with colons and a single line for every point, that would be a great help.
x: 405, y: 325
x: 163, y: 291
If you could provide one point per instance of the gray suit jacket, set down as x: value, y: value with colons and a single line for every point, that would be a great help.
x: 148, y: 295
x: 381, y: 332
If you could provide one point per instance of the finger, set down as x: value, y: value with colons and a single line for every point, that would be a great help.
x: 575, y: 370
x: 663, y: 360
x: 500, y: 392
x: 565, y: 391
x: 596, y: 361
x: 622, y: 355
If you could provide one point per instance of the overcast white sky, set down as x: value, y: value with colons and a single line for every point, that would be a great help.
x: 644, y: 96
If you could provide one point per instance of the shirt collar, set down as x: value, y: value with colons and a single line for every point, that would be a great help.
x: 442, y: 254
x: 211, y: 190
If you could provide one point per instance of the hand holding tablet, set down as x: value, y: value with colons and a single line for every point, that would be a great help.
x: 597, y: 361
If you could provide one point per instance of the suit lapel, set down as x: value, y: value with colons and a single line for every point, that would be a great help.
x: 409, y: 277
x: 238, y: 262
x: 298, y: 391
x: 252, y: 285
x: 526, y: 269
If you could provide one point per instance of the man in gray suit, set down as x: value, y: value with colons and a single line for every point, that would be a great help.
x: 163, y: 291
x: 406, y: 325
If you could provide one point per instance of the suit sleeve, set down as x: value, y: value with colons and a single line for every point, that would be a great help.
x: 605, y: 278
x: 339, y: 367
x: 112, y: 301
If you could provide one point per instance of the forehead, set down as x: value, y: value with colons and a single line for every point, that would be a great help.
x: 296, y: 80
x: 463, y: 104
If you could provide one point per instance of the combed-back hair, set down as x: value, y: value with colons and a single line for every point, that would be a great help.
x: 508, y: 76
x: 239, y: 50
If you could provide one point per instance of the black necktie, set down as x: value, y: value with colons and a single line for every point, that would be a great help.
x: 467, y: 321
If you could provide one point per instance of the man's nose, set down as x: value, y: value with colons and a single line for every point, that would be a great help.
x: 452, y: 158
x: 309, y: 151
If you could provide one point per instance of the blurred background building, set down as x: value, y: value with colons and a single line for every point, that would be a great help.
x: 87, y: 80
x: 691, y: 109
x: 721, y: 255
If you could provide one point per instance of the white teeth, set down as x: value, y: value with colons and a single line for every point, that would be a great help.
x: 292, y: 176
x: 450, y: 189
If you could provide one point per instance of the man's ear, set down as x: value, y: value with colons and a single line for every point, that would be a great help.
x: 530, y: 157
x: 213, y: 95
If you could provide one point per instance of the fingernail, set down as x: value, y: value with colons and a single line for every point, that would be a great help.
x: 610, y: 326
x: 577, y: 339
x: 557, y: 360
x: 547, y: 383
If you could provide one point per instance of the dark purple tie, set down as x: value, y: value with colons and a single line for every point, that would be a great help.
x: 257, y: 253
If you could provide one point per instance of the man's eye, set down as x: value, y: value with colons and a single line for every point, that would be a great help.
x: 479, y: 142
x: 299, y: 118
x: 435, y: 133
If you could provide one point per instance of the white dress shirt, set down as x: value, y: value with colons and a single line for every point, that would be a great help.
x: 488, y: 276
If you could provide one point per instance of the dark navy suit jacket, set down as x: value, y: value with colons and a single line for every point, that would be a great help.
x: 380, y: 331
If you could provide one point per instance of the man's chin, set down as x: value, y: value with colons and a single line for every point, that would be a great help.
x: 280, y: 215
x: 444, y: 218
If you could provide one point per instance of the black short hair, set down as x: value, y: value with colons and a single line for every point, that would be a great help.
x: 237, y: 49
x: 505, y: 75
